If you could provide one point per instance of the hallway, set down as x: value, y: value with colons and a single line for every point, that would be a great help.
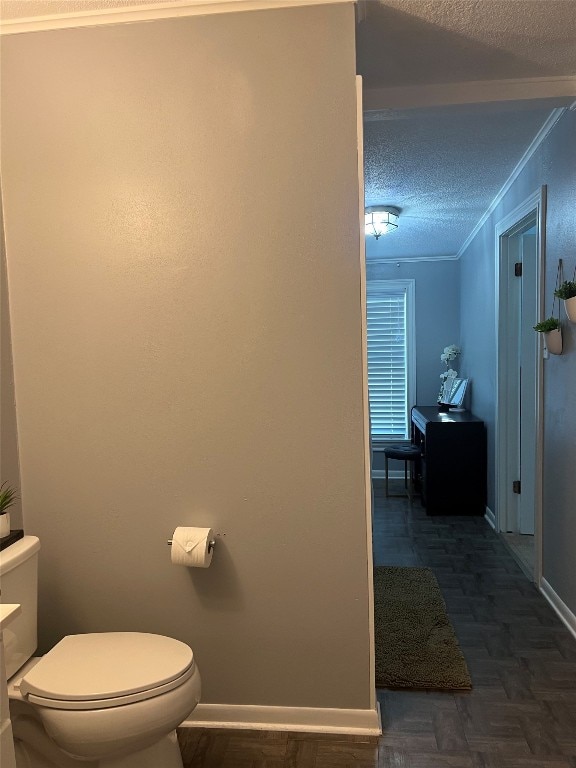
x: 521, y: 712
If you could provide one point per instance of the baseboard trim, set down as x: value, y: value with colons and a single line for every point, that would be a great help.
x: 490, y: 517
x: 308, y: 719
x: 380, y: 474
x: 559, y: 606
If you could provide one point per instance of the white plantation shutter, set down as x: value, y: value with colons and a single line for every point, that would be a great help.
x: 390, y: 357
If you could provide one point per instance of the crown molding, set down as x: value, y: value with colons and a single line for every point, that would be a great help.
x: 473, y: 92
x: 393, y: 261
x: 550, y: 122
x: 149, y: 12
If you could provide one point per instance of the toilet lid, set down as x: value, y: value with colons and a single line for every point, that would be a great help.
x: 107, y: 665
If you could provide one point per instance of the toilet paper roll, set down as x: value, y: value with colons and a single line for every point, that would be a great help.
x: 190, y: 547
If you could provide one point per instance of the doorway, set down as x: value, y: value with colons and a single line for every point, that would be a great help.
x: 520, y: 244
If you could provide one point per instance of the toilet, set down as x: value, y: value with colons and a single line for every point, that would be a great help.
x: 100, y: 700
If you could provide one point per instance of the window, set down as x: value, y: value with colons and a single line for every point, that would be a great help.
x: 391, y: 357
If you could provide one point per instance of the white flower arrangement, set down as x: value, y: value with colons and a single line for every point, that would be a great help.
x: 447, y: 378
x: 450, y: 353
x: 449, y: 374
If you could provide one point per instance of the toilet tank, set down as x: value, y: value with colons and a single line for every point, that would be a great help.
x: 19, y: 584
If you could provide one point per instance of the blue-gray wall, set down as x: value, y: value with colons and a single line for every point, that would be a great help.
x: 437, y: 316
x: 437, y: 313
x: 553, y: 164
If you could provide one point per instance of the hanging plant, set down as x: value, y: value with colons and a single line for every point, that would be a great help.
x: 551, y: 327
x: 552, y: 334
x: 545, y: 326
x: 553, y: 341
x: 567, y: 292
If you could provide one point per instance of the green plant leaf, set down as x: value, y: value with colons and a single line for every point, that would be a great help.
x: 545, y: 326
x: 566, y: 291
x: 7, y: 497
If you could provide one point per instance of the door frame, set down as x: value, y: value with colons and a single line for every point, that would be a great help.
x: 369, y: 494
x: 536, y: 205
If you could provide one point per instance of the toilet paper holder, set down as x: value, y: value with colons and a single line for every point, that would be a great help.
x: 211, y: 544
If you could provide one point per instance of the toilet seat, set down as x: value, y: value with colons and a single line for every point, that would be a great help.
x: 109, y: 669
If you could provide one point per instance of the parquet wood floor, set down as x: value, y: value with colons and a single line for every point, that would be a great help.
x: 521, y: 712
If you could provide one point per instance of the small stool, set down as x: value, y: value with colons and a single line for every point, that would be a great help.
x: 408, y: 454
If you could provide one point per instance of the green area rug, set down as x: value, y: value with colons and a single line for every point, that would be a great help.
x: 415, y: 644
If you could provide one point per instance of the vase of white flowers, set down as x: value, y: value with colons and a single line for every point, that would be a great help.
x: 449, y: 354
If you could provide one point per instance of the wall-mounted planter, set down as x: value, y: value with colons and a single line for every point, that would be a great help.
x: 570, y: 307
x: 553, y: 341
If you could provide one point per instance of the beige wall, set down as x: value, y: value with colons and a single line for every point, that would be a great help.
x: 9, y: 470
x: 181, y: 215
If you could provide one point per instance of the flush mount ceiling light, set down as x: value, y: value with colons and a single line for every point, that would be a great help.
x: 381, y: 219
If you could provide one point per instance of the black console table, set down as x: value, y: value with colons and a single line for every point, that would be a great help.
x: 452, y: 472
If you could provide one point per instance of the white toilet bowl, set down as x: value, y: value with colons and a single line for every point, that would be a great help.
x: 112, y: 699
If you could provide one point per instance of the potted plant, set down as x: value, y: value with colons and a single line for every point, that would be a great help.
x: 552, y: 334
x: 567, y: 292
x: 7, y: 499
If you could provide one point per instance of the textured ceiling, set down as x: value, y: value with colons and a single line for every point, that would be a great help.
x: 407, y: 42
x: 442, y: 169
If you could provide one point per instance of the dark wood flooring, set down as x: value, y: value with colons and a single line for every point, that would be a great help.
x: 521, y: 712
